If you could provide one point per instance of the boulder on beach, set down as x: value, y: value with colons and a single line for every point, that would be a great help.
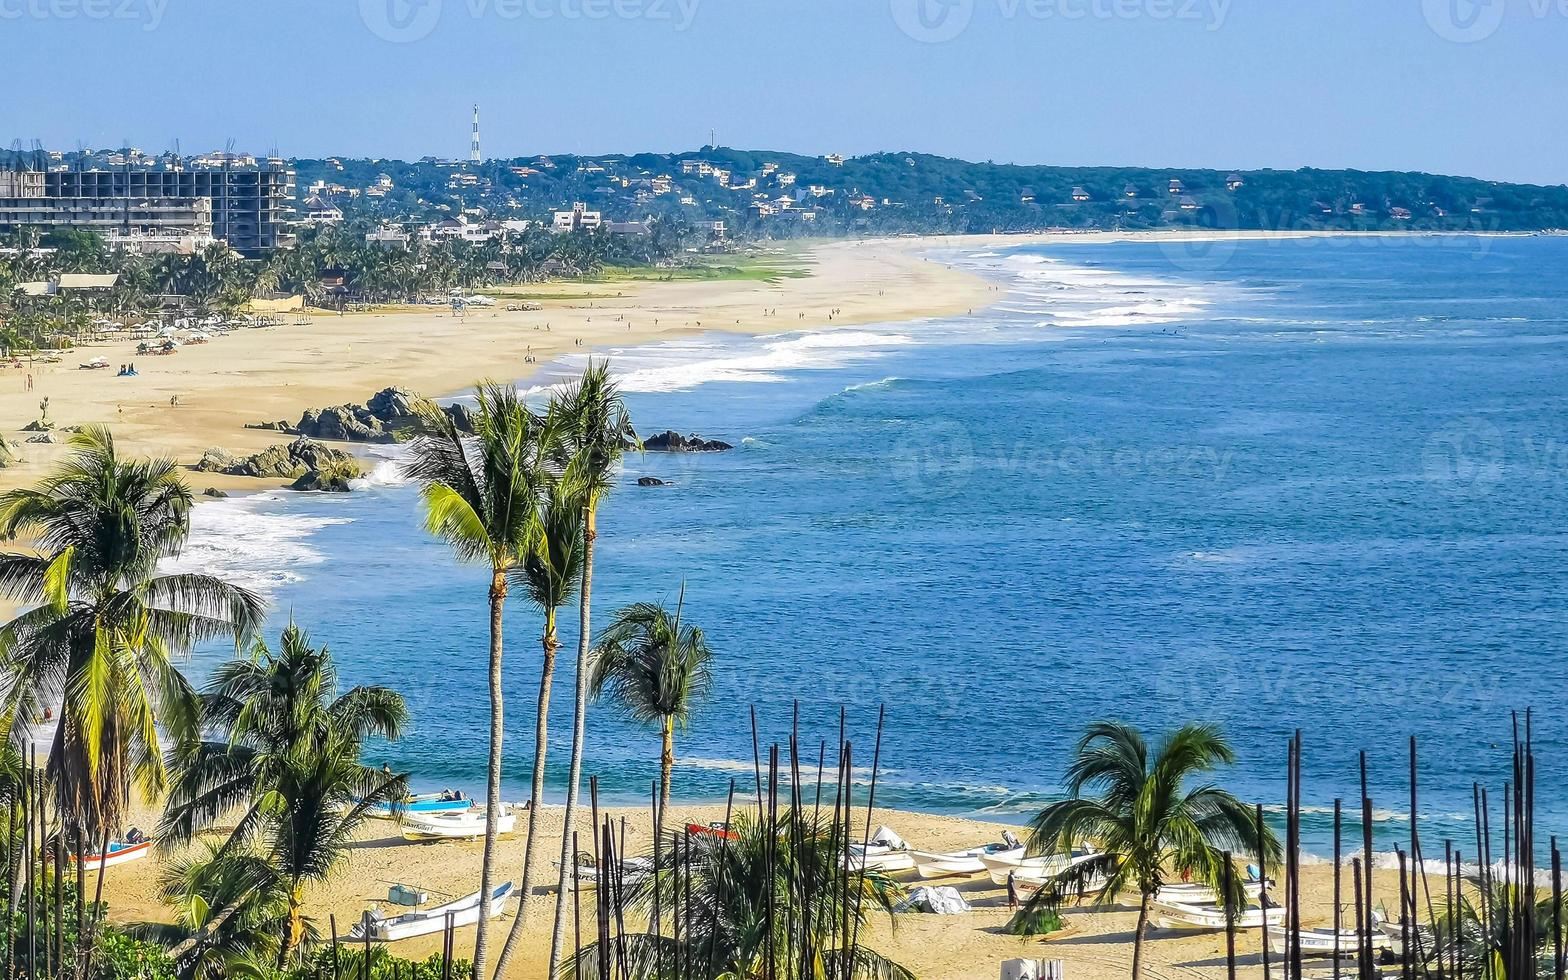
x: 391, y: 415
x: 670, y: 441
x: 216, y: 460
x: 38, y: 425
x: 285, y: 461
x: 333, y: 478
x: 214, y: 492
x: 44, y: 437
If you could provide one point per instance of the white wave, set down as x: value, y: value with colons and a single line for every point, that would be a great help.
x: 252, y: 542
x: 386, y: 473
x: 689, y: 365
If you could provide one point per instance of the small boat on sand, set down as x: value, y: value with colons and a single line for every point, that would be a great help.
x: 1209, y: 918
x: 885, y: 851
x: 1002, y: 864
x: 443, y: 802
x: 464, y: 912
x: 1194, y: 893
x: 1320, y: 942
x: 119, y: 852
x: 586, y: 874
x: 462, y: 825
x: 966, y: 862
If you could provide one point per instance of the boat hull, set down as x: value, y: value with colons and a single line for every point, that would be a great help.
x: 463, y: 912
x: 1208, y: 918
x: 115, y: 855
x: 453, y: 827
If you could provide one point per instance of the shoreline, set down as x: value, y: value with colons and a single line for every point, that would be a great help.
x: 1096, y: 946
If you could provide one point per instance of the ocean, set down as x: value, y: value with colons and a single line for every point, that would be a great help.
x: 1317, y: 484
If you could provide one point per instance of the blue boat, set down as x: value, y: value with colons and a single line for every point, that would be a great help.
x: 423, y: 803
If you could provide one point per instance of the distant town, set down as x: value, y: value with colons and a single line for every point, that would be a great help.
x: 151, y: 202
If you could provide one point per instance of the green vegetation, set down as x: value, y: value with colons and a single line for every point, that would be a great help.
x: 286, y: 759
x: 770, y: 895
x: 655, y: 670
x: 1146, y: 820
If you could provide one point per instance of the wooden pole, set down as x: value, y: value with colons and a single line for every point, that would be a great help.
x: 1263, y: 888
x: 1230, y: 919
x: 1338, y: 927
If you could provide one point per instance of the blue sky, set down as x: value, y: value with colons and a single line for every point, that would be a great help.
x: 1452, y: 86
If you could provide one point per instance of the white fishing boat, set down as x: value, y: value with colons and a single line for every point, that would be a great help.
x: 1321, y: 942
x: 586, y: 874
x: 119, y: 852
x: 464, y: 912
x: 885, y: 851
x: 1001, y: 865
x: 462, y: 825
x: 965, y: 862
x: 1209, y: 918
x: 1193, y: 893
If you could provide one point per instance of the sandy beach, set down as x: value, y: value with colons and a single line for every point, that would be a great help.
x: 1095, y: 946
x: 274, y: 373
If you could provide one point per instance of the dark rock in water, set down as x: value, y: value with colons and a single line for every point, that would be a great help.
x: 214, y: 492
x: 334, y: 479
x: 670, y: 441
x: 462, y: 418
x: 649, y: 481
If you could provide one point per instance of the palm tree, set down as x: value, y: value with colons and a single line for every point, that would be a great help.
x: 231, y: 906
x: 784, y: 875
x: 595, y: 432
x: 482, y: 496
x: 551, y: 572
x: 106, y: 628
x: 656, y: 670
x: 1144, y: 820
x: 286, y: 757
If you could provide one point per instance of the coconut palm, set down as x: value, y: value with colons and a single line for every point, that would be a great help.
x: 482, y: 496
x: 655, y: 669
x: 1145, y: 819
x: 785, y: 876
x: 551, y: 573
x: 106, y: 628
x: 285, y: 756
x: 595, y: 431
x: 231, y: 907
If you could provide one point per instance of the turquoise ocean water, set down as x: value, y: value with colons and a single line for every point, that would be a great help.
x: 1317, y: 484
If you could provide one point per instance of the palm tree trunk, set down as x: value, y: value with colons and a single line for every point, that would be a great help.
x: 535, y: 791
x: 579, y: 713
x: 296, y: 925
x: 1137, y: 937
x: 666, y: 764
x: 493, y: 785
